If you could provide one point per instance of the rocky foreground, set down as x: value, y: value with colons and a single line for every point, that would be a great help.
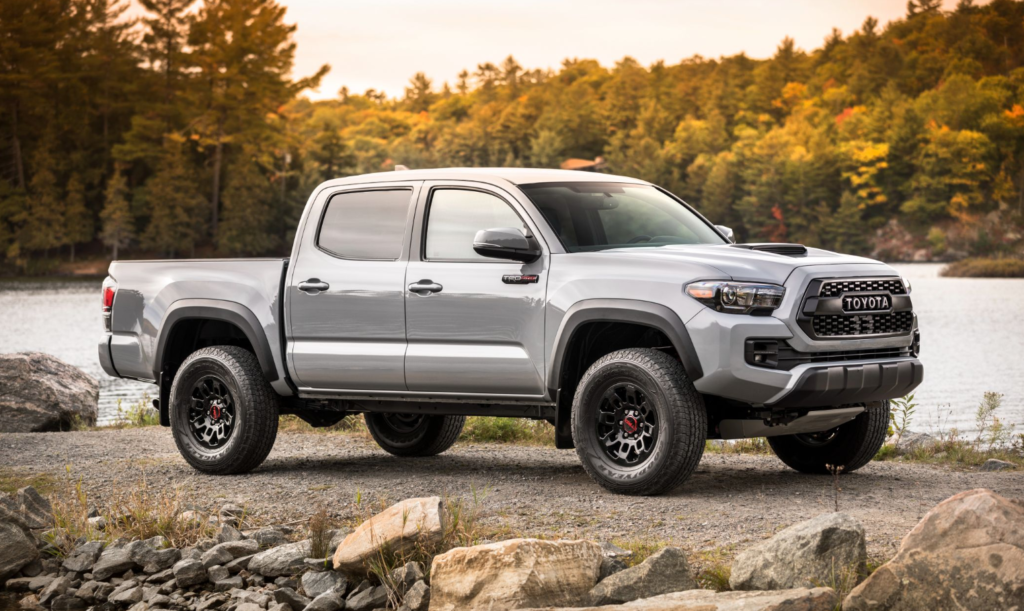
x: 967, y: 553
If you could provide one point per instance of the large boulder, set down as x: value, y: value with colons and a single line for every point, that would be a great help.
x: 514, y: 574
x: 39, y: 392
x: 801, y: 599
x: 664, y: 572
x: 401, y: 527
x: 966, y: 553
x: 803, y: 555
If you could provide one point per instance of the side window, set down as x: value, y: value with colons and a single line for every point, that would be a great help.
x: 454, y: 217
x: 366, y: 224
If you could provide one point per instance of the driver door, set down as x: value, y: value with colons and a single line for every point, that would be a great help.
x: 475, y: 325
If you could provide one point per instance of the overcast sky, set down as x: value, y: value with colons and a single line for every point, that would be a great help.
x: 379, y: 44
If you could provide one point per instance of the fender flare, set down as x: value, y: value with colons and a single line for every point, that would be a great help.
x: 216, y: 309
x: 633, y: 311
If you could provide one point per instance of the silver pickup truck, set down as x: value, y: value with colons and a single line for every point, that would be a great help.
x: 602, y: 304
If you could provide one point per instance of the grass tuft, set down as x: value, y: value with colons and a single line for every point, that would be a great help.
x: 483, y: 429
x: 756, y: 446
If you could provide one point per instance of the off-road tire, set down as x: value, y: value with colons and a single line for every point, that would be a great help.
x: 430, y: 436
x: 850, y: 446
x: 256, y: 408
x: 680, y: 411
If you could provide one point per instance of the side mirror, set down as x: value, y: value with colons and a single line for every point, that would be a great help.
x: 727, y: 232
x: 506, y: 243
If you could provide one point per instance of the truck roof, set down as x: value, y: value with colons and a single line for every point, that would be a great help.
x: 516, y: 176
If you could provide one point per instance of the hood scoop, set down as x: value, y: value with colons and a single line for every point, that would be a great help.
x: 789, y: 250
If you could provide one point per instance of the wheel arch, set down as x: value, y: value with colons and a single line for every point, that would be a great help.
x: 637, y: 313
x: 190, y: 324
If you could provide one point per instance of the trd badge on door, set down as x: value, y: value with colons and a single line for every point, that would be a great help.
x: 520, y: 279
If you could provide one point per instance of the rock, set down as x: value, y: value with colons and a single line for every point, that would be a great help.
x: 29, y: 603
x: 248, y: 607
x: 912, y: 441
x: 32, y: 569
x: 610, y: 566
x: 160, y: 560
x: 189, y: 573
x: 17, y: 549
x: 400, y: 527
x: 36, y: 511
x: 113, y: 561
x: 994, y: 464
x: 610, y: 550
x: 316, y: 583
x: 211, y: 602
x: 269, y: 537
x: 94, y: 591
x: 966, y: 553
x: 21, y: 585
x: 98, y: 523
x: 231, y: 514
x: 161, y: 577
x: 67, y: 603
x: 318, y: 564
x: 281, y: 560
x: 127, y: 596
x: 664, y: 572
x: 229, y: 533
x: 418, y: 597
x: 802, y: 555
x: 237, y: 549
x: 368, y: 599
x: 217, y: 573
x: 228, y: 584
x: 83, y: 557
x: 216, y: 556
x: 404, y: 576
x: 56, y: 588
x: 256, y: 598
x: 43, y: 393
x: 801, y: 599
x: 514, y: 574
x: 290, y: 597
x: 328, y: 601
x: 238, y: 564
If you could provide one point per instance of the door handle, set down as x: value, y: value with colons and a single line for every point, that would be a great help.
x: 425, y: 286
x: 313, y: 286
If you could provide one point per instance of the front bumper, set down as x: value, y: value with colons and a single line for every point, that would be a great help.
x: 720, y: 340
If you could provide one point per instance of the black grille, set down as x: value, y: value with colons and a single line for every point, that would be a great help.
x: 833, y: 325
x: 774, y: 354
x: 835, y: 288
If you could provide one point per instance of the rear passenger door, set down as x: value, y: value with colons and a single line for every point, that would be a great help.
x: 346, y: 290
x: 475, y: 324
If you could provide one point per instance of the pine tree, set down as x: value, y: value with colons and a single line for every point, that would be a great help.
x: 118, y: 224
x: 45, y: 221
x: 248, y: 211
x: 78, y: 221
x: 175, y: 202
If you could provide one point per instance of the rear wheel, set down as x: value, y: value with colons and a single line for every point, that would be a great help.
x: 223, y: 411
x: 638, y: 423
x: 850, y: 446
x: 414, y: 434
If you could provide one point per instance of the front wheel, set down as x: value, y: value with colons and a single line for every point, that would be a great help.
x: 414, y: 434
x: 850, y: 446
x: 638, y: 423
x: 223, y: 411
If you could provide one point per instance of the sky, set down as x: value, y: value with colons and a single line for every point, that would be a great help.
x: 380, y: 44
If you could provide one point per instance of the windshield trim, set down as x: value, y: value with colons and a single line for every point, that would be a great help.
x: 526, y: 188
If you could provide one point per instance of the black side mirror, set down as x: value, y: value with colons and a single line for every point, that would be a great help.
x: 506, y: 243
x: 727, y: 232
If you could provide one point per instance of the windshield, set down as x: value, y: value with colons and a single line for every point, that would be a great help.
x: 599, y: 216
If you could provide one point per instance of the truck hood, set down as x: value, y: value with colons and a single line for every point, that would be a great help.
x: 737, y: 263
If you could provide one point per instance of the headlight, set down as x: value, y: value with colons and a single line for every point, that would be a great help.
x: 906, y: 283
x: 737, y: 297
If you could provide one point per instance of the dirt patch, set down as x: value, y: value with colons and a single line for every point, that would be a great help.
x: 536, y: 491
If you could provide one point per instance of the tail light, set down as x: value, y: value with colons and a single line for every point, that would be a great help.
x: 109, y: 289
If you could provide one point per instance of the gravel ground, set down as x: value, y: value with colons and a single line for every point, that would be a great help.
x: 731, y: 500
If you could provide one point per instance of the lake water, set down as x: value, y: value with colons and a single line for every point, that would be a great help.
x: 972, y: 337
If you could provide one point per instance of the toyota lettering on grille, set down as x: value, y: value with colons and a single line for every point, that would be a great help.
x: 867, y: 303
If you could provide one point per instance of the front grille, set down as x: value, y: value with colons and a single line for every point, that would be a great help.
x: 833, y: 325
x: 835, y: 288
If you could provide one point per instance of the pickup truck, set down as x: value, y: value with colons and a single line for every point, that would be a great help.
x: 602, y: 304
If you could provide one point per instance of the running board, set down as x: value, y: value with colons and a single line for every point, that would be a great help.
x: 813, y: 422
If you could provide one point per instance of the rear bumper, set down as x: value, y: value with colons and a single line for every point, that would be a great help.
x: 106, y: 362
x: 816, y: 386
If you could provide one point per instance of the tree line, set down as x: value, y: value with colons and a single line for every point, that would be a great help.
x: 185, y: 131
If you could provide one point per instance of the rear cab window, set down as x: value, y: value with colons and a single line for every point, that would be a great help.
x: 365, y: 225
